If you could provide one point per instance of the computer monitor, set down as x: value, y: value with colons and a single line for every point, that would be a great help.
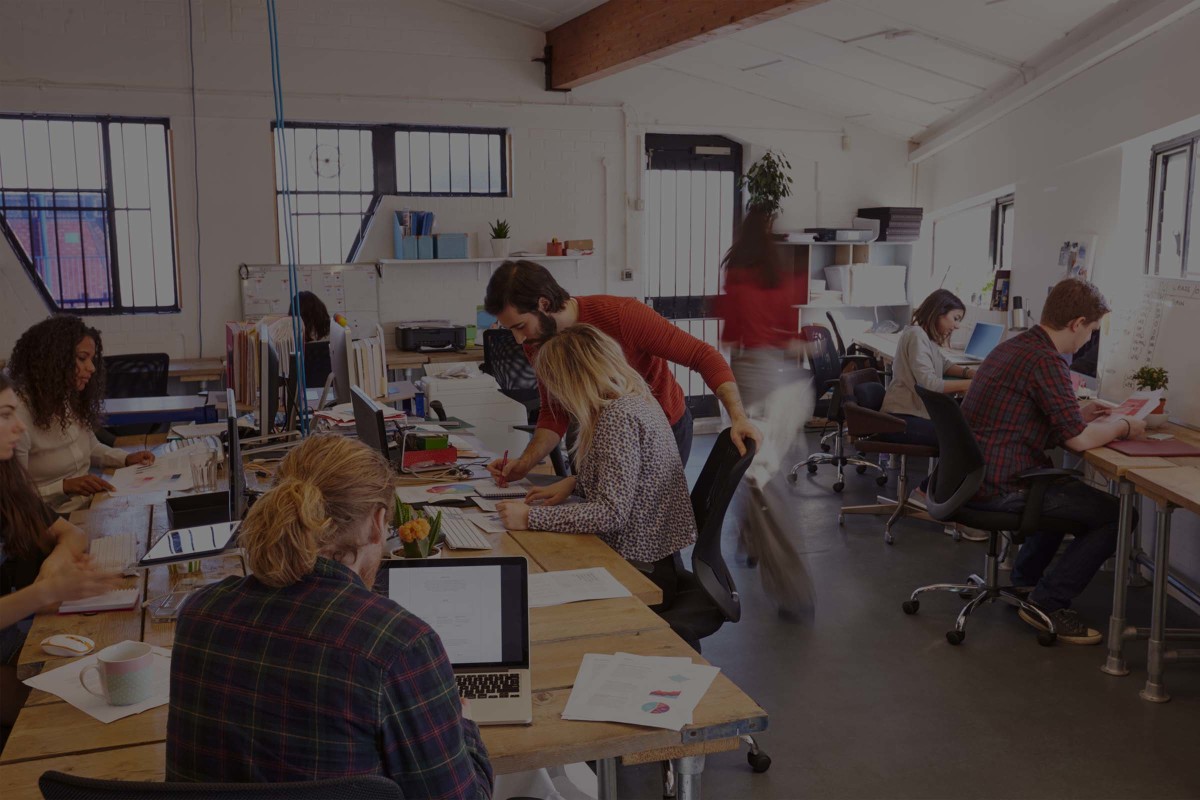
x: 233, y: 460
x: 984, y: 339
x: 369, y: 422
x: 1085, y: 362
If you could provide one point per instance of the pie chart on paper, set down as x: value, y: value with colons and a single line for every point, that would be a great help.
x: 452, y: 488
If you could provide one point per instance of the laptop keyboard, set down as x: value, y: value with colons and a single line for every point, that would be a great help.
x: 480, y: 685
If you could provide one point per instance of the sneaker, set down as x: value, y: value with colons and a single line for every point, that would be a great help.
x: 918, y: 498
x: 970, y: 534
x: 1068, y: 625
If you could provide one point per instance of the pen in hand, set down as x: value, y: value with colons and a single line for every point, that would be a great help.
x: 503, y: 463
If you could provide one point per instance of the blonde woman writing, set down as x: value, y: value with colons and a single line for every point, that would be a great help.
x: 299, y: 671
x: 631, y: 482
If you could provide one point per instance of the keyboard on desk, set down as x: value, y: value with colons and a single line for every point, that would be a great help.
x: 114, y: 553
x: 478, y: 685
x: 462, y: 535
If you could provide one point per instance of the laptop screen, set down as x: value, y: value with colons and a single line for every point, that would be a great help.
x: 984, y: 339
x: 479, y: 607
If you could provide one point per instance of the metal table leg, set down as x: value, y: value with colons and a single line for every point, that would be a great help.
x: 1115, y: 663
x: 1154, y: 690
x: 606, y: 779
x: 687, y: 777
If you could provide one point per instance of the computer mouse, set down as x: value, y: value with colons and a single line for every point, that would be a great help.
x: 68, y: 645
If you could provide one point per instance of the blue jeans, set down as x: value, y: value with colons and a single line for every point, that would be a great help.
x: 919, y: 431
x: 1072, y: 500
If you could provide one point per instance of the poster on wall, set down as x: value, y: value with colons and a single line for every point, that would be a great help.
x: 1076, y: 255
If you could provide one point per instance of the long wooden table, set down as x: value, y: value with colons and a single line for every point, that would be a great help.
x: 51, y: 734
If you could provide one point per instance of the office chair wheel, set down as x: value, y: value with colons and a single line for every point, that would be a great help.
x: 759, y: 762
x: 910, y: 606
x: 793, y: 478
x: 824, y: 448
x: 880, y: 480
x: 955, y: 637
x: 1047, y: 639
x: 966, y: 595
x: 812, y: 469
x: 860, y: 469
x: 837, y: 487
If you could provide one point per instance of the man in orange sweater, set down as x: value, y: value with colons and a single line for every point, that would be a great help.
x: 526, y: 299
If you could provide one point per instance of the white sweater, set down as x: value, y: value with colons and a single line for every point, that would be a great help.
x: 53, y: 455
x: 919, y: 362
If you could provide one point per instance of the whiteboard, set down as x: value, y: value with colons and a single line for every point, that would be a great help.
x: 1163, y: 330
x: 349, y: 289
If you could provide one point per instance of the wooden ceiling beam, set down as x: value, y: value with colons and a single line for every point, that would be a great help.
x: 621, y: 34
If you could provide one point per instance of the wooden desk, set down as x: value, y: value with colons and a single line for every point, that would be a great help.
x: 51, y: 734
x: 404, y: 359
x: 1171, y: 488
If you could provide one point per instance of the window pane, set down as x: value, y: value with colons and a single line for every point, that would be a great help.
x: 961, y: 243
x: 366, y: 162
x: 1007, y: 226
x: 141, y: 253
x: 1173, y: 199
x: 331, y: 240
x: 37, y: 154
x: 309, y: 251
x: 460, y: 167
x: 419, y: 161
x: 88, y: 160
x: 62, y: 154
x: 12, y: 154
x: 327, y: 160
x: 304, y: 159
x: 350, y: 161
x: 95, y: 251
x: 116, y: 149
x: 479, y: 163
x: 494, y: 156
x: 350, y: 225
x: 402, y: 163
x: 123, y: 257
x: 137, y: 181
x: 1193, y: 253
x: 439, y: 162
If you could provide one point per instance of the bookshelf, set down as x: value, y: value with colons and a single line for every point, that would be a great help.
x: 809, y: 260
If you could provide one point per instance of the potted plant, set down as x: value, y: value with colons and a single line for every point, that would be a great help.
x: 768, y: 182
x: 500, y: 243
x: 1152, y: 379
x: 420, y: 535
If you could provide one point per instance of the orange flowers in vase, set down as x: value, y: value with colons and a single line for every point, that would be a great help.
x: 420, y: 535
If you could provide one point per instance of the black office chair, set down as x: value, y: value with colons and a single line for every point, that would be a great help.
x: 317, y: 364
x: 707, y: 596
x: 505, y: 361
x: 134, y: 375
x: 827, y: 367
x: 953, y: 483
x: 62, y: 786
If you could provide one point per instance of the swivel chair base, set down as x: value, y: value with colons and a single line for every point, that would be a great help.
x: 839, y: 460
x: 979, y: 590
x: 896, y: 509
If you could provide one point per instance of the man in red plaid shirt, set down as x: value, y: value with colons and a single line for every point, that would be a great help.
x: 1020, y: 404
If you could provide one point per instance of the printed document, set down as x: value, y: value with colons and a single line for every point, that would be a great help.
x: 1139, y: 405
x: 639, y: 690
x: 172, y: 473
x: 573, y: 585
x: 64, y: 682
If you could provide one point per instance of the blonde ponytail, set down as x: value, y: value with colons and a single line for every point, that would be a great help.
x: 325, y: 489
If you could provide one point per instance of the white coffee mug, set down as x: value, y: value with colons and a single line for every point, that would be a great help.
x: 126, y: 673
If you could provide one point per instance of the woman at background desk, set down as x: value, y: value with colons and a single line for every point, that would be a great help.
x: 635, y: 495
x: 43, y: 558
x: 58, y: 371
x: 919, y: 362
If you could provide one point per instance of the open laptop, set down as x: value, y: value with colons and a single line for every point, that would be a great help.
x: 479, y: 608
x: 984, y: 338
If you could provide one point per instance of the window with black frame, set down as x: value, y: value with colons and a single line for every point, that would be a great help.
x: 336, y: 175
x: 1174, y: 209
x: 85, y: 202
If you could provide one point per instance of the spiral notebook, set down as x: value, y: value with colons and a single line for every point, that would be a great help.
x: 514, y: 491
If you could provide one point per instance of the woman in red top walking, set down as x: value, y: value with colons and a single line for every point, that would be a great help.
x: 760, y: 327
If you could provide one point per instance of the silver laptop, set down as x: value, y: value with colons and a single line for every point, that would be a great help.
x: 479, y: 608
x: 984, y: 338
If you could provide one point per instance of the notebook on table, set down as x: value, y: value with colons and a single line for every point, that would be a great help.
x: 116, y: 600
x: 479, y: 608
x: 514, y: 491
x: 1166, y: 448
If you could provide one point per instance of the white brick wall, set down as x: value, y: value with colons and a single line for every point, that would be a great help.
x: 381, y: 61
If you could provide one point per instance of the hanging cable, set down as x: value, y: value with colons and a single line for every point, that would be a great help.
x: 196, y: 174
x: 286, y: 211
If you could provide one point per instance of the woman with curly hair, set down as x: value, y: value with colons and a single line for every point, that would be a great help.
x: 59, y: 377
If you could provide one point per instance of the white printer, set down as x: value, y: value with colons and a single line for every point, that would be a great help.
x: 475, y: 398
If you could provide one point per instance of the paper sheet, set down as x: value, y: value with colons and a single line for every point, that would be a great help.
x: 169, y: 473
x: 488, y: 523
x: 638, y: 690
x: 64, y: 682
x: 193, y: 430
x: 572, y: 586
x: 1139, y: 405
x: 460, y: 490
x: 485, y: 504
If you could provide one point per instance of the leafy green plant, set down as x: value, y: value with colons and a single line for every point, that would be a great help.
x: 500, y: 229
x: 768, y: 182
x: 1149, y: 378
x: 419, y: 533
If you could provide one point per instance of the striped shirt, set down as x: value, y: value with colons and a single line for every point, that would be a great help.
x: 635, y: 495
x: 649, y: 342
x: 320, y: 679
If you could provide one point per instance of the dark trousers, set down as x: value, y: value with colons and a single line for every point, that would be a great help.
x: 683, y: 435
x: 919, y: 431
x: 1070, y: 500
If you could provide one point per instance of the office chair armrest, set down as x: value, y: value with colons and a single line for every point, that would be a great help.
x: 1038, y: 480
x: 867, y: 422
x: 859, y: 361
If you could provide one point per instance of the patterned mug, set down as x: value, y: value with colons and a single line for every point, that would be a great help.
x: 126, y: 673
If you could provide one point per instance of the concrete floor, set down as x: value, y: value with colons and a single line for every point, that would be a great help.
x: 866, y: 702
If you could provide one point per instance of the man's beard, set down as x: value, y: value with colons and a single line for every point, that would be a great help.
x: 549, y: 327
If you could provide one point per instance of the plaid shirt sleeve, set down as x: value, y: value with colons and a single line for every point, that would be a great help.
x: 1056, y: 398
x: 428, y: 748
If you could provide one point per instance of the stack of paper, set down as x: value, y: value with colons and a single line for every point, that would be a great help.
x: 342, y: 416
x: 64, y: 682
x: 169, y: 473
x: 572, y: 586
x: 657, y: 691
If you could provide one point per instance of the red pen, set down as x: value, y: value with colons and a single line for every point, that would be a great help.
x: 503, y: 463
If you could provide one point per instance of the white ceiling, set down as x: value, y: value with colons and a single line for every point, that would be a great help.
x: 896, y: 66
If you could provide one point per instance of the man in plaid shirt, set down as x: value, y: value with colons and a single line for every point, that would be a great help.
x: 299, y: 671
x: 1021, y: 403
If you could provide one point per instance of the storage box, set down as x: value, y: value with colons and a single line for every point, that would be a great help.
x: 837, y: 277
x: 427, y: 441
x: 192, y: 510
x: 414, y: 247
x: 450, y: 245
